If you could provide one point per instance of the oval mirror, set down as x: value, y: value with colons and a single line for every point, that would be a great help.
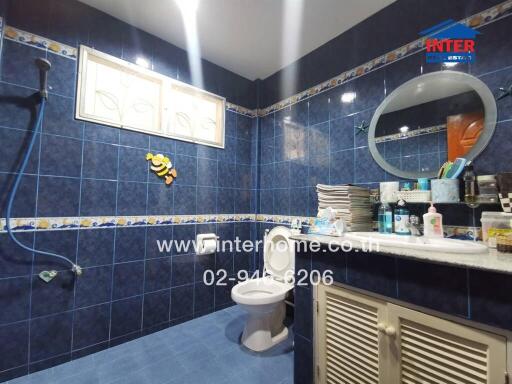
x: 429, y: 120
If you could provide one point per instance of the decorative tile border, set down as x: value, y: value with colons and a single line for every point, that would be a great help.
x: 241, y: 110
x: 39, y: 42
x: 69, y: 223
x: 286, y: 220
x: 476, y: 21
x: 413, y: 133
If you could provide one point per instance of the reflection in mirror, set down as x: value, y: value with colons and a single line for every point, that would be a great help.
x: 430, y: 120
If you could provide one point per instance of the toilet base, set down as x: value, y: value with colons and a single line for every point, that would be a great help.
x: 265, y: 329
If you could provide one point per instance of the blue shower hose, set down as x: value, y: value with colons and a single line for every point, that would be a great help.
x: 37, y: 128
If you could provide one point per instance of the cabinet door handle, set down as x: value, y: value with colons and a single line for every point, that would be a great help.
x: 390, y: 331
x: 381, y: 327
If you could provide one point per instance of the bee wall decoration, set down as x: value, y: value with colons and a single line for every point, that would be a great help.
x: 162, y: 166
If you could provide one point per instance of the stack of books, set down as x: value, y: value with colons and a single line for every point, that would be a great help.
x: 350, y: 203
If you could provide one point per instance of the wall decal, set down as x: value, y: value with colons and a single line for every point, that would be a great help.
x: 162, y: 166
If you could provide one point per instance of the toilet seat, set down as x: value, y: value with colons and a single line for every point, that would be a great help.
x: 264, y: 290
x: 279, y: 254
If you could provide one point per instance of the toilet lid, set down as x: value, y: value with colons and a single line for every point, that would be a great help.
x: 279, y: 253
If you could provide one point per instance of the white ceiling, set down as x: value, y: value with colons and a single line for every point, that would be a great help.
x: 246, y: 36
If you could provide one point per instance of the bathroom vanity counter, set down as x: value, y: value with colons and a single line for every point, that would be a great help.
x: 491, y: 260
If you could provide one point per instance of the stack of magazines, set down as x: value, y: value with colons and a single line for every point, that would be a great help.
x: 350, y: 203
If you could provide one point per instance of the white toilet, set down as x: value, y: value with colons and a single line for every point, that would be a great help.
x: 263, y: 298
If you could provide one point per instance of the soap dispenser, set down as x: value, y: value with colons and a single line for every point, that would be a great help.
x: 433, y: 223
x: 402, y: 216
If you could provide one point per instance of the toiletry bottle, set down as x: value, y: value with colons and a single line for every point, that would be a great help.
x: 470, y: 191
x: 385, y: 218
x: 402, y: 218
x: 433, y: 223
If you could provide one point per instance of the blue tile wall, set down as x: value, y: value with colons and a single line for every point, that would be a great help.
x: 128, y: 288
x: 317, y: 140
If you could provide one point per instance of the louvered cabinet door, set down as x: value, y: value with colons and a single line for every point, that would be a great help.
x: 430, y: 350
x: 350, y: 348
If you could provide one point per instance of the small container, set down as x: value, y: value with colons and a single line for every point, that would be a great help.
x: 433, y: 223
x: 423, y: 184
x: 445, y: 190
x: 388, y: 191
x: 487, y: 185
x: 494, y: 223
x: 504, y: 243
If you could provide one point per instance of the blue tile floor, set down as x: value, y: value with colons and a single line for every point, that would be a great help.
x: 204, y: 350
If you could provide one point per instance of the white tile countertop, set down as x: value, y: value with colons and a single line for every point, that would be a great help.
x: 491, y: 260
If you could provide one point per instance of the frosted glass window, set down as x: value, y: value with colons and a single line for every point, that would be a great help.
x: 114, y: 92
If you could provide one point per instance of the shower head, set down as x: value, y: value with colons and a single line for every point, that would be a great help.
x: 44, y: 66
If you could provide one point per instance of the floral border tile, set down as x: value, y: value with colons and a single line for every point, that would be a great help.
x: 241, y: 110
x: 27, y: 38
x: 68, y: 223
x: 475, y: 21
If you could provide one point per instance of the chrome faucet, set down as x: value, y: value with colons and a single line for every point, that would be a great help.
x: 414, y: 226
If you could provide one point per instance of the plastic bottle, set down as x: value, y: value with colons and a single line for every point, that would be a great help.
x: 402, y: 218
x: 433, y: 223
x: 385, y: 218
x: 470, y: 186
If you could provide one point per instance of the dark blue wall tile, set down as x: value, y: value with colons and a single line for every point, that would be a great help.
x: 302, y: 361
x: 60, y: 156
x: 95, y: 247
x: 299, y: 201
x: 61, y: 78
x: 182, y: 270
x: 131, y: 198
x: 14, y: 299
x: 342, y: 167
x: 16, y: 56
x: 25, y: 201
x: 182, y: 301
x: 130, y: 244
x: 103, y: 133
x: 55, y: 297
x: 373, y: 272
x: 91, y: 326
x: 14, y: 346
x: 282, y: 201
x: 184, y: 200
x: 18, y: 106
x: 128, y: 279
x: 94, y: 286
x: 126, y: 316
x: 187, y: 170
x: 58, y: 196
x: 207, y: 172
x: 133, y: 164
x: 59, y: 118
x: 449, y: 294
x: 160, y: 199
x: 156, y: 308
x: 206, y: 200
x: 15, y: 261
x: 341, y: 134
x: 304, y: 310
x: 157, y: 274
x: 226, y: 200
x: 100, y: 160
x: 50, y: 336
x: 155, y: 235
x: 184, y: 233
x: 98, y: 198
x: 59, y: 242
x: 14, y: 142
x: 489, y: 298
